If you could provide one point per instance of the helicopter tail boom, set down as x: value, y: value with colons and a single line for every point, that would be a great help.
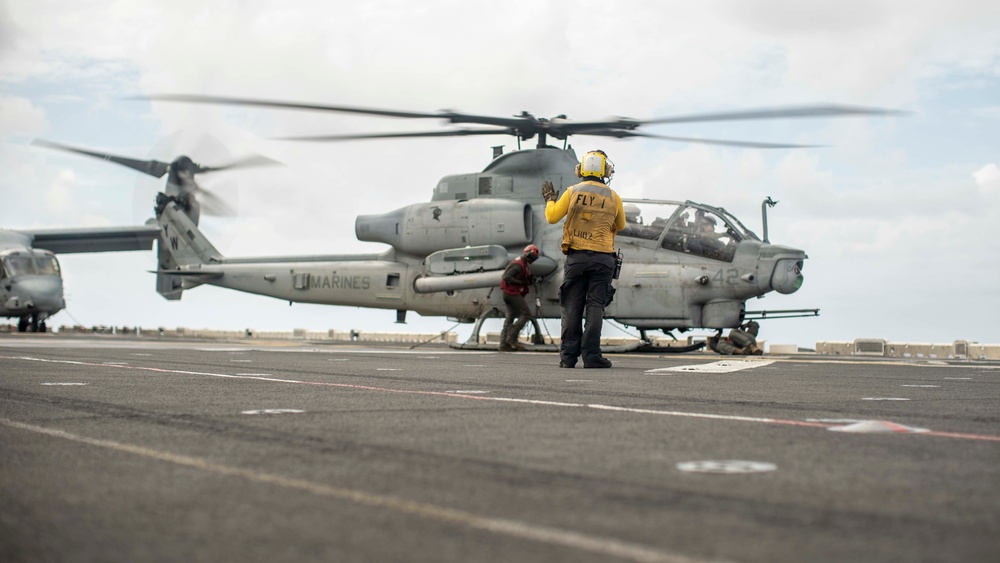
x: 181, y: 245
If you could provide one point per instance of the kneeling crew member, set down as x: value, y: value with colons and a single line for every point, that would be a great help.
x: 742, y: 341
x: 514, y: 283
x: 594, y: 213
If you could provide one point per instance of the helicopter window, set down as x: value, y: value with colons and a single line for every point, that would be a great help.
x: 646, y: 221
x: 485, y: 185
x: 47, y: 265
x: 19, y: 264
x: 702, y: 233
x: 392, y: 280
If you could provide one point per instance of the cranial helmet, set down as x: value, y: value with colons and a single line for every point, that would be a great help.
x: 531, y: 253
x: 595, y: 164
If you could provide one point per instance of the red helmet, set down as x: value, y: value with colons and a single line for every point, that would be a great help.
x: 531, y: 252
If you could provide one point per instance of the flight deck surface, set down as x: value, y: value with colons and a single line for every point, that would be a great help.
x: 143, y: 449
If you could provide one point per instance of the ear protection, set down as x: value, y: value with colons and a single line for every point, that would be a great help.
x: 595, y: 163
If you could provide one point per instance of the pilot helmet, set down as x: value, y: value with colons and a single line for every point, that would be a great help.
x: 632, y: 212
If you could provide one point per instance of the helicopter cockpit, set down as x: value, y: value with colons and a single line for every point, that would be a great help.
x: 37, y: 263
x: 685, y: 227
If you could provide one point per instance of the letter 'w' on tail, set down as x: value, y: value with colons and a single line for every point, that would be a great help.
x: 182, y: 248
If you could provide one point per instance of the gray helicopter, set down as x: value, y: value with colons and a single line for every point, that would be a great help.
x: 31, y: 285
x: 687, y: 265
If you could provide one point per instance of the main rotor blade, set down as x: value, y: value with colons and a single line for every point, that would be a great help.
x: 745, y: 144
x: 193, y: 98
x: 772, y: 113
x: 154, y: 168
x: 452, y: 133
x: 245, y: 162
x: 212, y: 204
x: 452, y: 116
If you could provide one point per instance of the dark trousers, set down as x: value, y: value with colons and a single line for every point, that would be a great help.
x: 583, y: 294
x: 517, y: 308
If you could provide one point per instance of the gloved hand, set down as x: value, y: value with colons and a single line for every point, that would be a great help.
x: 548, y: 191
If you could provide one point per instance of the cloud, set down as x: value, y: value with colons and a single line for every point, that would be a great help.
x: 18, y: 116
x: 988, y: 180
x: 60, y: 197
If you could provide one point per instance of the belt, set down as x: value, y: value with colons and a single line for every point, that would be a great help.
x: 577, y: 251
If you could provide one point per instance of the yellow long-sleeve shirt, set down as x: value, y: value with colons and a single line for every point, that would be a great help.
x: 594, y: 213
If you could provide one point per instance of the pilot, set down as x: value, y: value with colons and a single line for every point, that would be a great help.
x: 514, y: 282
x: 704, y: 224
x: 632, y: 213
x: 706, y: 242
x: 594, y: 213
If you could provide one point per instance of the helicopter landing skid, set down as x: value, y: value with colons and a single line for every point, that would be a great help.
x: 538, y: 343
x: 632, y: 347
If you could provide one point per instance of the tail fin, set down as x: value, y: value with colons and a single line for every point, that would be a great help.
x: 181, y: 244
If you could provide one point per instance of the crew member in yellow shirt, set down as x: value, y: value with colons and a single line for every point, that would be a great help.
x: 594, y: 213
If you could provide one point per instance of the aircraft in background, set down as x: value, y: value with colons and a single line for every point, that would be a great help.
x: 31, y: 285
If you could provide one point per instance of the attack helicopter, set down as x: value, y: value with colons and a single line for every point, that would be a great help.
x: 687, y: 265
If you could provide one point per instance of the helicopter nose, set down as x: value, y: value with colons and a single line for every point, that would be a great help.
x: 787, y: 277
x: 40, y: 293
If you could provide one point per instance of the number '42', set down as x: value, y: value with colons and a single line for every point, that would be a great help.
x: 729, y: 277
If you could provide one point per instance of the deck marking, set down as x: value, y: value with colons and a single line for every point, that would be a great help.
x: 274, y: 411
x: 724, y: 366
x: 878, y: 427
x: 63, y: 383
x: 922, y: 386
x: 605, y: 546
x: 884, y: 399
x: 735, y: 418
x: 726, y: 466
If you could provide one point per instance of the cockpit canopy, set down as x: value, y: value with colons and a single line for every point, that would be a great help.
x: 27, y: 262
x: 686, y: 227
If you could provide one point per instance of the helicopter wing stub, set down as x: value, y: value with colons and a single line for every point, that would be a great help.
x: 100, y: 239
x: 153, y: 168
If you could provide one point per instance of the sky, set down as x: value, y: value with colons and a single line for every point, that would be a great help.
x: 898, y: 215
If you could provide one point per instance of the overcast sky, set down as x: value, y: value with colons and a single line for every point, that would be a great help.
x: 898, y: 215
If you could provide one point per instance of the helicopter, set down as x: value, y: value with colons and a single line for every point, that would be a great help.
x: 31, y: 285
x: 687, y: 265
